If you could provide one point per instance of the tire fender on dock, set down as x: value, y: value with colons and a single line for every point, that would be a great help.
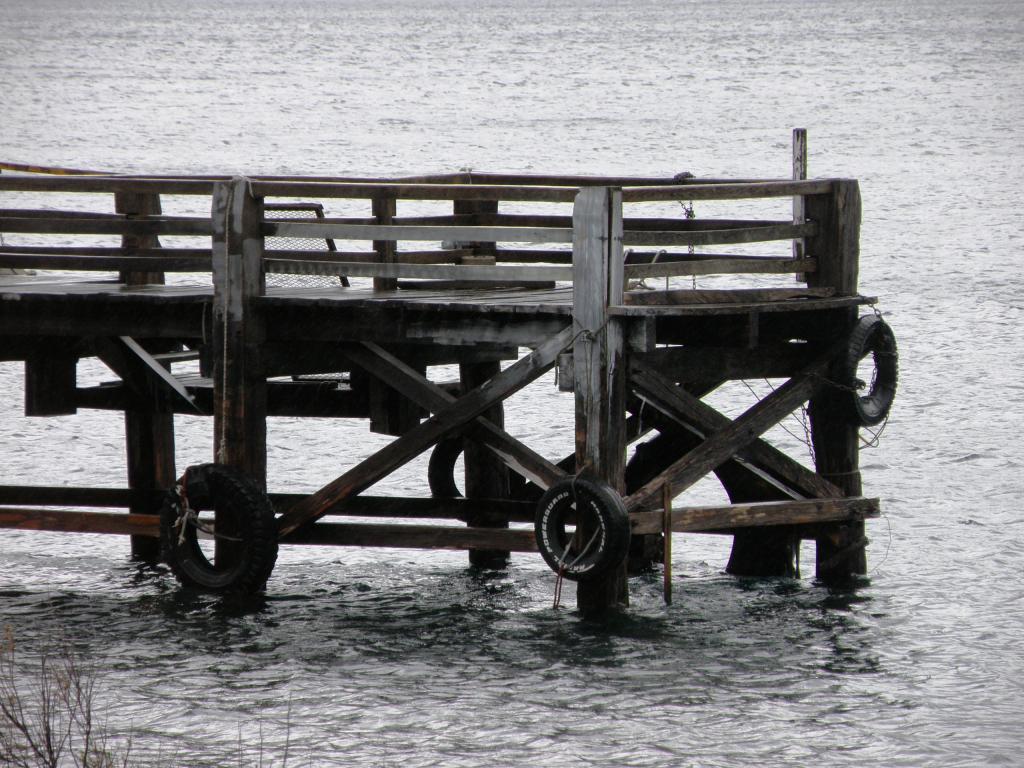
x: 871, y: 336
x: 246, y: 527
x: 560, y: 513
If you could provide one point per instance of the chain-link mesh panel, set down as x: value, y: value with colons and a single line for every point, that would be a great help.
x: 299, y: 211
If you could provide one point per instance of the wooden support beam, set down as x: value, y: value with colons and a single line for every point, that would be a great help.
x: 149, y: 448
x: 757, y: 515
x: 239, y: 381
x: 51, y: 377
x: 733, y: 437
x: 415, y: 441
x: 840, y: 548
x: 406, y: 536
x: 599, y: 372
x: 329, y: 534
x: 692, y: 413
x: 692, y: 363
x: 486, y: 474
x: 516, y: 455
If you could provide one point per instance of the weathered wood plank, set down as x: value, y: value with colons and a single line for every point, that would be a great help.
x: 104, y: 225
x: 17, y: 260
x: 757, y: 514
x: 66, y: 521
x: 766, y: 265
x: 421, y: 437
x: 720, y: 236
x: 516, y: 274
x: 697, y: 363
x: 406, y: 536
x: 401, y: 191
x: 392, y: 232
x: 722, y: 296
x: 726, y: 191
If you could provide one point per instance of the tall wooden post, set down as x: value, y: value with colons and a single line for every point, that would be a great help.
x: 486, y: 474
x: 239, y: 381
x: 149, y: 430
x: 840, y: 548
x: 598, y: 364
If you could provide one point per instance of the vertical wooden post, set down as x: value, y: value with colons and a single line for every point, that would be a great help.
x: 599, y: 365
x: 840, y: 548
x: 239, y: 381
x: 149, y: 432
x: 486, y: 474
x: 384, y: 209
x: 799, y: 174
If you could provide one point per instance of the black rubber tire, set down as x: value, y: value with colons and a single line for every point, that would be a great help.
x: 603, y: 508
x: 441, y: 469
x: 871, y: 336
x: 247, y: 514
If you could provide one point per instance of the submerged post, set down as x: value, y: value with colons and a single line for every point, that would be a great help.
x: 149, y: 429
x: 840, y: 547
x: 239, y: 381
x: 598, y: 365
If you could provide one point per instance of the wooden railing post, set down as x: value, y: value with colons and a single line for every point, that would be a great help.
x: 836, y: 245
x: 239, y: 381
x: 840, y: 548
x: 598, y: 364
x: 384, y: 209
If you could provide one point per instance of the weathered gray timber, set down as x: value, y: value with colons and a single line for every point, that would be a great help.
x: 219, y: 342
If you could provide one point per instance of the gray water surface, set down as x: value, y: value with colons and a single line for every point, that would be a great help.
x: 385, y: 658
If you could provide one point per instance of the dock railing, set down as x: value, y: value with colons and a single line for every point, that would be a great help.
x: 479, y: 243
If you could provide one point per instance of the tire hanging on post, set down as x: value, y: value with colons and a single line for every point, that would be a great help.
x: 871, y: 336
x: 245, y: 524
x: 582, y: 529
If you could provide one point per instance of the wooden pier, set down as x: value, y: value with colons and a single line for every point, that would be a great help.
x: 534, y: 273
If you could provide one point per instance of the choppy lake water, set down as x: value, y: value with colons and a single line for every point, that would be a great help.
x: 371, y: 658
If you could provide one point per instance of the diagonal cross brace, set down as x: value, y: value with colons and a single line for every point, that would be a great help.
x: 734, y: 436
x: 139, y: 370
x: 683, y: 408
x: 405, y: 448
x: 396, y: 374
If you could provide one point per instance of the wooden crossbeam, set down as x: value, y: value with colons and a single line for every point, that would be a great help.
x: 692, y: 413
x: 333, y: 534
x: 731, y: 438
x: 405, y: 448
x: 756, y: 515
x: 396, y: 374
x: 408, y: 536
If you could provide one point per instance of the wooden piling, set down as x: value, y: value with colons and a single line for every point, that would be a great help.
x: 841, y: 547
x: 599, y: 365
x: 239, y: 381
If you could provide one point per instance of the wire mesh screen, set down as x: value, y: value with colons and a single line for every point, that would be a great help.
x: 299, y: 211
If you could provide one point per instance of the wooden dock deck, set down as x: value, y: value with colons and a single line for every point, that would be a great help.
x: 533, y: 273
